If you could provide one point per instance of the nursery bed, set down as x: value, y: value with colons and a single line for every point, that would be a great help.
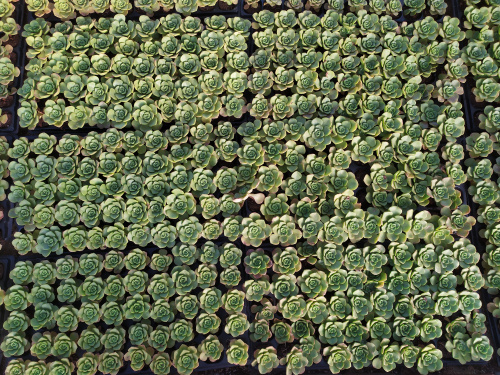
x: 8, y: 225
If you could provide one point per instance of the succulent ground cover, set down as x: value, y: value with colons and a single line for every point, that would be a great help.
x: 280, y: 190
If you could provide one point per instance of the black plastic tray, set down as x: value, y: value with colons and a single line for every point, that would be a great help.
x: 9, y: 262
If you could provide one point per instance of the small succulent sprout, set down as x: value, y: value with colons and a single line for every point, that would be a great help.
x: 284, y: 231
x: 255, y: 230
x: 15, y: 344
x: 331, y: 331
x: 23, y: 243
x: 160, y: 261
x: 458, y: 221
x: 282, y: 332
x: 207, y: 323
x: 210, y: 349
x: 237, y: 352
x: 266, y: 359
x: 139, y: 356
x: 236, y: 324
x: 471, y: 278
x: 22, y: 272
x: 338, y: 358
x: 274, y: 205
x: 429, y: 359
x: 184, y: 279
x: 259, y: 330
x: 489, y: 119
x: 257, y: 263
x: 256, y: 289
x: 375, y: 258
x: 185, y: 359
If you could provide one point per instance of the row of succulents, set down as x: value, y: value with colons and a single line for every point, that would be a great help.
x: 481, y: 53
x: 185, y: 359
x: 410, y: 8
x: 70, y: 9
x: 483, y: 176
x: 119, y: 73
x: 482, y: 57
x: 8, y: 71
x: 4, y: 184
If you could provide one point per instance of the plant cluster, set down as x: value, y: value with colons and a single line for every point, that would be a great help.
x: 135, y: 307
x: 354, y: 233
x: 354, y: 88
x: 111, y: 72
x: 482, y: 52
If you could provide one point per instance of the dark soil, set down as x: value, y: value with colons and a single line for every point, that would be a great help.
x: 6, y: 102
x: 476, y: 121
x: 252, y: 205
x: 13, y: 57
x: 206, y: 9
x: 14, y: 40
x: 225, y: 6
x: 471, y: 83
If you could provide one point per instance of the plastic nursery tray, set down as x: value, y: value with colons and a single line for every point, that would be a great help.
x: 8, y: 264
x: 6, y: 223
x: 323, y: 365
x: 134, y: 15
x: 25, y: 17
x: 493, y: 324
